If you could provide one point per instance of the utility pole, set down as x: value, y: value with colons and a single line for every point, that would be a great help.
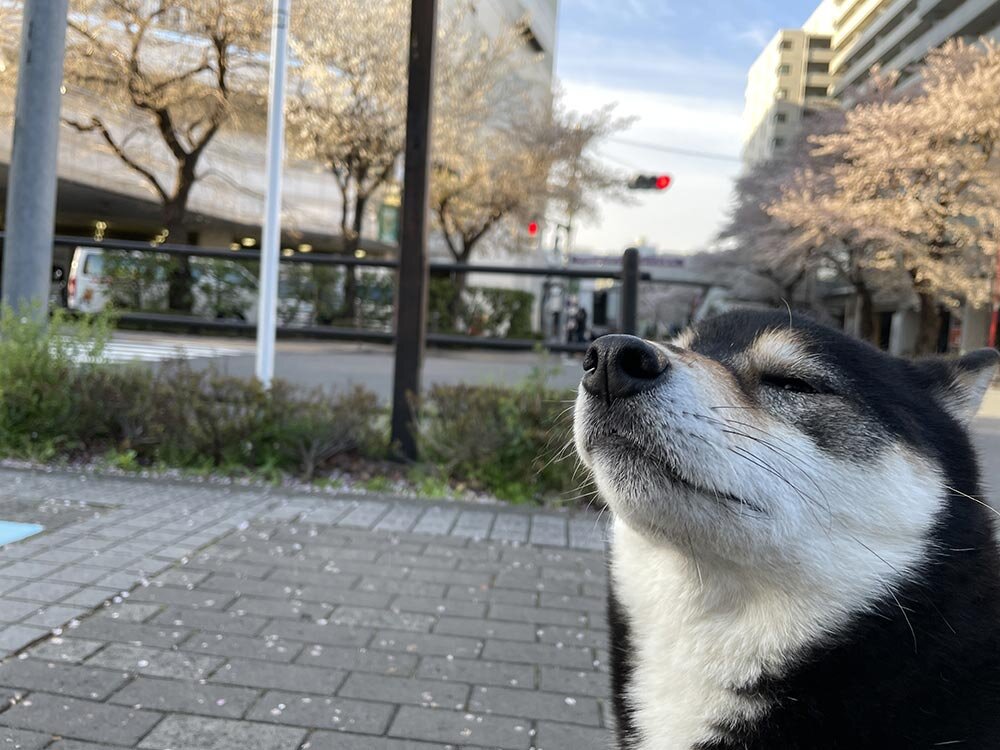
x: 267, y: 305
x: 411, y: 294
x: 31, y: 183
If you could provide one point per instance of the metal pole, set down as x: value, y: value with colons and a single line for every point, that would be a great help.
x: 411, y: 295
x: 267, y: 305
x: 630, y: 291
x: 31, y: 185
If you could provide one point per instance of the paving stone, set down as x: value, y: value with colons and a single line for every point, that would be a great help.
x: 13, y: 610
x: 323, y: 712
x: 312, y: 633
x: 294, y: 609
x: 19, y: 739
x: 482, y: 628
x: 342, y: 741
x: 105, y: 629
x: 399, y: 518
x: 59, y: 678
x: 364, y: 516
x: 296, y: 677
x: 535, y: 705
x: 189, y: 599
x: 574, y: 682
x: 44, y: 591
x: 426, y: 644
x: 550, y: 530
x: 186, y: 697
x: 79, y: 719
x: 219, y: 622
x: 182, y: 577
x: 528, y: 653
x: 260, y: 647
x: 200, y: 733
x: 79, y: 574
x: 553, y: 736
x: 510, y: 527
x: 89, y: 596
x: 131, y: 611
x: 334, y: 597
x: 155, y: 662
x: 55, y: 615
x: 538, y: 615
x: 474, y: 671
x: 490, y: 596
x: 67, y: 650
x: 429, y: 693
x: 432, y: 606
x: 436, y: 725
x: 436, y: 520
x: 369, y: 617
x: 359, y: 660
x: 30, y: 570
x: 15, y: 637
x: 396, y: 586
x: 474, y: 524
x: 76, y: 745
x: 561, y: 636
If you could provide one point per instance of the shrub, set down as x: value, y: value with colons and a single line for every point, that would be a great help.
x: 481, y: 311
x: 38, y: 373
x: 505, y: 440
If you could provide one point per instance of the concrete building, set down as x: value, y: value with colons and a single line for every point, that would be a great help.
x: 897, y: 34
x: 226, y: 206
x: 786, y: 81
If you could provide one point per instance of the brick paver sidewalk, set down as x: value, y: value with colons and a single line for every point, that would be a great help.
x: 197, y: 618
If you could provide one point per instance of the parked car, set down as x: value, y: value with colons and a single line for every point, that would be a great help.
x: 222, y: 289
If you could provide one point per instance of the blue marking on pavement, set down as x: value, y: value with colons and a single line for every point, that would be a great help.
x: 12, y: 532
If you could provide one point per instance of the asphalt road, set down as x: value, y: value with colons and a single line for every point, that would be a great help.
x: 342, y: 365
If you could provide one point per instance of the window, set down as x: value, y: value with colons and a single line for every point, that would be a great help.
x: 819, y: 42
x: 781, y: 117
x: 778, y: 142
x: 782, y: 94
x: 786, y: 44
x: 815, y: 91
x: 818, y: 67
x: 784, y: 70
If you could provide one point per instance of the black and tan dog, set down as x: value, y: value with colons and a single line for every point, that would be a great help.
x: 802, y: 559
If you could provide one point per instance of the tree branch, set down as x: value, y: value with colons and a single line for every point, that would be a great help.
x: 97, y: 126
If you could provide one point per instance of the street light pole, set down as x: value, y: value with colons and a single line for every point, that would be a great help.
x: 31, y: 185
x: 411, y: 294
x: 267, y: 305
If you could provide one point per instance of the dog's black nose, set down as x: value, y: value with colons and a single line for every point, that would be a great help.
x: 619, y: 366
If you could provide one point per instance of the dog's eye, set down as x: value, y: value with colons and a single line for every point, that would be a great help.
x: 788, y: 383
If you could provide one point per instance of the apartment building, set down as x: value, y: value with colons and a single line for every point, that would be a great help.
x: 785, y: 84
x: 897, y: 34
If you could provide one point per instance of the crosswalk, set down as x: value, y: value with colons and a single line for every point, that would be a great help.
x: 137, y: 351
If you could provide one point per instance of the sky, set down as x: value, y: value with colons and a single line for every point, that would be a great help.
x: 679, y: 67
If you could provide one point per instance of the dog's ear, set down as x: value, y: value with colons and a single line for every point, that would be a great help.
x: 960, y: 384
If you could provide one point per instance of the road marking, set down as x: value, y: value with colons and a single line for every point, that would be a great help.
x: 128, y: 351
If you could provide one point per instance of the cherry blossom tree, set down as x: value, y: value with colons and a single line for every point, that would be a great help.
x: 163, y: 79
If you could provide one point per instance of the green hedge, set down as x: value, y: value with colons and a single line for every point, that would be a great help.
x: 58, y: 398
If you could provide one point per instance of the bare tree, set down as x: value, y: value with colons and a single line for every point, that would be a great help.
x: 164, y: 79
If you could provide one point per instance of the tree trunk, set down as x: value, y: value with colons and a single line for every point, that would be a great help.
x: 180, y: 294
x: 459, y: 283
x: 929, y: 329
x: 865, y: 327
x: 352, y: 241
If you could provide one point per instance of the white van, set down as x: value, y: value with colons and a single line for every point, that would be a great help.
x: 222, y: 290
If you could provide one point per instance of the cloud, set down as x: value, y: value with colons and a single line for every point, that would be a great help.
x: 755, y: 35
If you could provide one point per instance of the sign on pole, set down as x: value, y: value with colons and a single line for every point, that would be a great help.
x: 267, y: 306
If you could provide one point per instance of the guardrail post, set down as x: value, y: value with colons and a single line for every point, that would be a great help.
x: 411, y: 295
x: 630, y: 291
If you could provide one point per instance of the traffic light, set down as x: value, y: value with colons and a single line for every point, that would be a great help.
x: 532, y: 228
x: 650, y: 182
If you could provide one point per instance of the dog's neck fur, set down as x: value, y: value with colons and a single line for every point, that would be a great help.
x: 715, y: 657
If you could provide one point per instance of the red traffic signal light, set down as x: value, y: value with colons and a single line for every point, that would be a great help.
x: 650, y: 182
x: 532, y: 228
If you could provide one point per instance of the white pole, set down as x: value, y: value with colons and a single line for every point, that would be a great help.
x: 267, y: 305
